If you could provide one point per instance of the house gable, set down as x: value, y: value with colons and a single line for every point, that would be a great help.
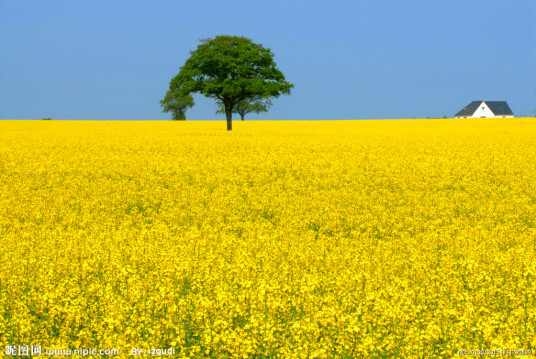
x: 483, y: 111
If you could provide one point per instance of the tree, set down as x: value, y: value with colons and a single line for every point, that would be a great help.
x: 231, y: 69
x: 244, y: 107
x: 177, y: 102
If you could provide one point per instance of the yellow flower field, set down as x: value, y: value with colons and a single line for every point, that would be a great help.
x: 298, y: 239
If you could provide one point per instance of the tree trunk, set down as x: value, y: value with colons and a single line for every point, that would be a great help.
x: 242, y: 115
x: 229, y: 115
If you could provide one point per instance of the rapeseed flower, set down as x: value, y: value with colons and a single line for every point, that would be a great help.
x: 326, y: 239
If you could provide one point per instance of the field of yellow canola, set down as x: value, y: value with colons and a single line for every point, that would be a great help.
x: 328, y: 239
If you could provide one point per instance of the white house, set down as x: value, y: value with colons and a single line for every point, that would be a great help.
x: 485, y: 109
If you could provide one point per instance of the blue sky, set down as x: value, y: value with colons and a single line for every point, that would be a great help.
x: 113, y: 59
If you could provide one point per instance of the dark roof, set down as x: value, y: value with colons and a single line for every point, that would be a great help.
x: 469, y: 109
x: 499, y: 108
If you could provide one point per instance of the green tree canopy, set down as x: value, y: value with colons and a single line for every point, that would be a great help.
x: 177, y: 102
x: 231, y: 69
x: 244, y: 107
